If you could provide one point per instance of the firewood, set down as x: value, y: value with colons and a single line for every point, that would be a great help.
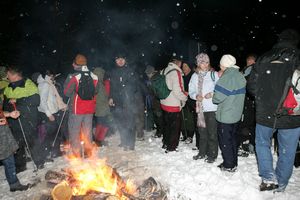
x: 62, y: 191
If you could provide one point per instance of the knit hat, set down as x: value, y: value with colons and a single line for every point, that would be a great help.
x: 227, y: 61
x: 80, y: 60
x: 34, y: 76
x: 202, y: 58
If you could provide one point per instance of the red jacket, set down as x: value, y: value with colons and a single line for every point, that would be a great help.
x: 79, y: 106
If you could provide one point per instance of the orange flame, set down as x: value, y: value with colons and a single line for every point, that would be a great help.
x: 93, y: 174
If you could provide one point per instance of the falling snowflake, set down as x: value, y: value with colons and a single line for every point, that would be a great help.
x: 177, y: 4
x: 214, y: 47
x: 54, y: 51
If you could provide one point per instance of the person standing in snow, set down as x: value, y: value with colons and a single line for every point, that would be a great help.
x: 8, y: 146
x: 153, y: 105
x: 102, y: 114
x: 50, y: 105
x: 124, y: 89
x: 247, y: 126
x: 173, y: 104
x: 81, y: 110
x: 22, y: 94
x: 201, y: 88
x: 266, y: 82
x: 229, y: 95
x: 188, y: 111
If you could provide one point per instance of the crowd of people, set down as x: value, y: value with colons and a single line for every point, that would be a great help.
x: 231, y: 110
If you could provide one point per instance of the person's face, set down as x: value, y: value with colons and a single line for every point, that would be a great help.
x: 203, y: 66
x: 186, y: 69
x: 12, y: 77
x: 250, y: 61
x: 120, y: 62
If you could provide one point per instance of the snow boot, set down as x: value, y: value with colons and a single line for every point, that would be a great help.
x: 18, y: 187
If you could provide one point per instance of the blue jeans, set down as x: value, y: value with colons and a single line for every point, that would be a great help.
x: 287, y: 144
x: 10, y: 169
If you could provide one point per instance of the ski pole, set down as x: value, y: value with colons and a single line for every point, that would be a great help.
x: 25, y: 140
x: 58, y: 129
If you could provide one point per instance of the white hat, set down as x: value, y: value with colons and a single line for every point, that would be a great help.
x: 228, y: 60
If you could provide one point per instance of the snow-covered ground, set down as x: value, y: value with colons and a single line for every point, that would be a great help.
x: 185, y: 178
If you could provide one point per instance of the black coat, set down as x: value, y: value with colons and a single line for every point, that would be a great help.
x: 124, y: 86
x: 267, y: 82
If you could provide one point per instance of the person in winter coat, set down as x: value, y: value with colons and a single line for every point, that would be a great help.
x: 229, y: 95
x: 81, y: 109
x: 153, y: 103
x: 50, y: 105
x: 266, y: 82
x: 173, y: 104
x: 103, y: 114
x: 188, y: 111
x: 247, y: 126
x: 201, y: 88
x: 123, y: 94
x: 22, y: 94
x: 3, y: 81
x: 8, y: 146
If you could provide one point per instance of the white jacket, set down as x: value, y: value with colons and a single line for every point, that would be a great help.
x: 50, y: 101
x: 177, y: 98
x: 208, y: 86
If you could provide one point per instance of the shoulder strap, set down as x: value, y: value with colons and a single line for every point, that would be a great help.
x: 171, y: 71
x: 212, y: 76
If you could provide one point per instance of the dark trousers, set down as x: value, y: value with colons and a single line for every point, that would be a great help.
x: 227, y: 136
x: 208, y: 137
x: 50, y: 128
x: 172, y: 127
x: 125, y: 122
x: 10, y: 169
x: 30, y: 132
x: 188, y: 122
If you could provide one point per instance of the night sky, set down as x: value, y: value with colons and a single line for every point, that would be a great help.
x: 41, y: 34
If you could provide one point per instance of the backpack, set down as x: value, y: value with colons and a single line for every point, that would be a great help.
x: 290, y: 101
x: 159, y: 86
x: 86, y: 87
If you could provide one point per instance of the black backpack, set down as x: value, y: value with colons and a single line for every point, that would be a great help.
x: 86, y: 87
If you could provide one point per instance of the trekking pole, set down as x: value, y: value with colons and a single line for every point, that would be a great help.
x: 25, y: 140
x: 58, y: 129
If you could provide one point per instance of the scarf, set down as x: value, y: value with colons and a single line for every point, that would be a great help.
x: 199, y: 106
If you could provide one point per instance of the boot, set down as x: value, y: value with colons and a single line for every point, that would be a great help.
x: 100, y: 132
x: 18, y: 187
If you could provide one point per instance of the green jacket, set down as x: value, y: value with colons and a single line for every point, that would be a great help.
x: 26, y: 90
x: 229, y: 95
x: 102, y: 107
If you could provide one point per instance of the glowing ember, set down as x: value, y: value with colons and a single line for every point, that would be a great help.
x: 94, y: 175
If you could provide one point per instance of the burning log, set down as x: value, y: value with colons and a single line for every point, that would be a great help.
x: 55, y: 177
x: 151, y: 190
x: 148, y: 190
